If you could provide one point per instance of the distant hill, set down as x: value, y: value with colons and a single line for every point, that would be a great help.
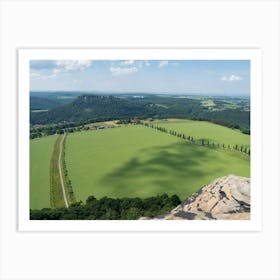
x: 60, y: 97
x: 38, y: 103
x: 105, y: 107
x: 91, y: 106
x: 96, y: 106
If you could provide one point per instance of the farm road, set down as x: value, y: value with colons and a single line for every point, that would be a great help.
x: 60, y: 171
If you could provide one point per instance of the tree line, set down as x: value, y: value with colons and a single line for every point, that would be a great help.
x: 67, y: 181
x: 87, y: 107
x: 45, y: 130
x: 110, y: 209
x: 200, y: 142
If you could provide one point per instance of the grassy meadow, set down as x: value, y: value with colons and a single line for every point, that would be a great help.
x: 56, y: 194
x: 206, y: 130
x: 137, y: 161
x: 40, y: 156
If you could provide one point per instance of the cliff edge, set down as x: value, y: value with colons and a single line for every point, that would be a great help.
x: 226, y: 198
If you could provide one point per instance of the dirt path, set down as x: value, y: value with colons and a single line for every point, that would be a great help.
x: 60, y: 171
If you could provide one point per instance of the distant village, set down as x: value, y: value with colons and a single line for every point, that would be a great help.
x: 96, y: 127
x: 38, y: 131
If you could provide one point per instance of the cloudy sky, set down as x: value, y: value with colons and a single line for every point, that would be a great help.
x: 227, y: 77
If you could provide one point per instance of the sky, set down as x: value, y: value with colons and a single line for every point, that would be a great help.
x: 222, y: 77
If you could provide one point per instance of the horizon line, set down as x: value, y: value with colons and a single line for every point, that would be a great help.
x: 143, y: 92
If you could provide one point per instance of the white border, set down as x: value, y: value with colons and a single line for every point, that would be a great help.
x: 254, y: 55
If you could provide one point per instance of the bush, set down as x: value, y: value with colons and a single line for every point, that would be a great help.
x: 108, y: 208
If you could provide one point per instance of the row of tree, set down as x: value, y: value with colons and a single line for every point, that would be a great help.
x: 37, y: 132
x: 87, y: 107
x: 67, y: 181
x: 200, y: 142
x: 110, y: 209
x: 40, y: 131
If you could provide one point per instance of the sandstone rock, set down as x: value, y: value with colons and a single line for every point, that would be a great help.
x: 226, y: 198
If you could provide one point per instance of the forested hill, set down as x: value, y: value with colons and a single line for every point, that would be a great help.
x: 87, y: 107
x: 96, y: 106
x: 39, y: 103
x: 92, y: 106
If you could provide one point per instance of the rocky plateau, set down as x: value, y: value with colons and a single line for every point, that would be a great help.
x: 226, y: 198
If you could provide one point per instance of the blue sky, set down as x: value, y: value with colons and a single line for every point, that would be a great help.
x: 226, y: 77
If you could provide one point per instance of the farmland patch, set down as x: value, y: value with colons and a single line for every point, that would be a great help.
x: 40, y: 156
x: 135, y: 161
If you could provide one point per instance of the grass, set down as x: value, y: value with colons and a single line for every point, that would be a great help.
x: 208, y: 103
x: 136, y: 161
x: 67, y: 182
x: 231, y: 105
x: 205, y: 130
x: 56, y: 194
x: 40, y: 157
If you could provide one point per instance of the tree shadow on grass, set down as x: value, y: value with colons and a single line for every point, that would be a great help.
x: 173, y: 169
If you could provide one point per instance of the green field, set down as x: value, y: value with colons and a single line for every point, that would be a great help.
x: 56, y: 194
x: 139, y: 161
x: 208, y: 103
x: 40, y: 156
x: 206, y: 130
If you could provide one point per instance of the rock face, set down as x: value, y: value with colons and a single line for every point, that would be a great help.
x: 226, y: 198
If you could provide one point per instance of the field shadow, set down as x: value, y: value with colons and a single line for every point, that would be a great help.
x: 169, y: 169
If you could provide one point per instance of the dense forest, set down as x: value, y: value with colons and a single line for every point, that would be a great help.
x: 39, y: 103
x: 107, y: 107
x: 110, y: 209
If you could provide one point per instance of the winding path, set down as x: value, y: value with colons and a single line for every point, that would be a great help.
x: 60, y: 171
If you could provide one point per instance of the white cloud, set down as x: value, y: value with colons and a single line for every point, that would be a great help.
x: 60, y: 66
x: 73, y: 65
x: 127, y: 67
x: 127, y: 62
x: 34, y: 75
x: 56, y: 71
x: 139, y: 64
x: 231, y: 78
x: 135, y: 63
x: 40, y: 76
x: 76, y: 81
x: 147, y: 63
x: 162, y: 63
x: 119, y: 71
